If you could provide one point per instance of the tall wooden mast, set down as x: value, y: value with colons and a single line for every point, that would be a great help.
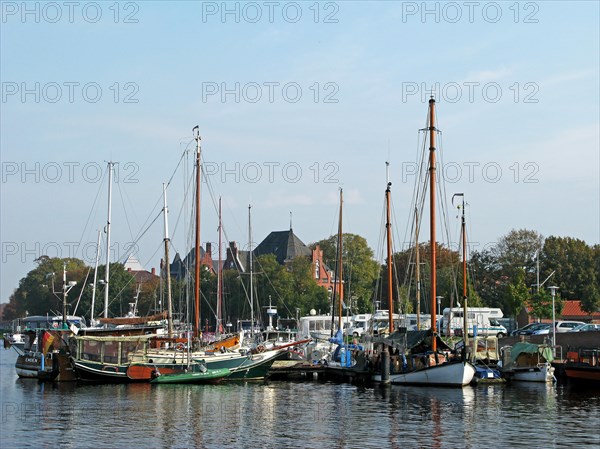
x: 388, y: 227
x: 339, y: 280
x: 197, y: 331
x: 432, y: 238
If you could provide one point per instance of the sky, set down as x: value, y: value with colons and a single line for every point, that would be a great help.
x: 294, y: 100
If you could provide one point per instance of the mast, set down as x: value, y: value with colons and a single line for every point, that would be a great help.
x: 64, y: 318
x: 107, y: 275
x: 464, y: 266
x: 95, y: 278
x: 340, y: 239
x: 251, y: 281
x: 432, y: 176
x: 418, y: 268
x: 167, y: 265
x: 388, y: 227
x: 219, y: 280
x: 197, y: 330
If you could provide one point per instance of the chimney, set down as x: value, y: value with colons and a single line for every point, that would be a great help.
x: 209, y: 249
x: 154, y: 271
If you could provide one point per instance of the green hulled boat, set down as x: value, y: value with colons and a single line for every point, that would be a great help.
x: 194, y: 377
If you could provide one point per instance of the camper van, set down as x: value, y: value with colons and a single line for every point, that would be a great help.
x: 319, y: 326
x: 360, y: 324
x: 483, y: 319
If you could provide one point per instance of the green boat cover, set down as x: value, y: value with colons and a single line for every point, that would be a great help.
x: 530, y: 348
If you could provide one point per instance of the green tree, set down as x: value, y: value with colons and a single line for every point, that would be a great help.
x: 517, y: 250
x: 121, y: 292
x: 447, y: 270
x: 540, y: 304
x: 360, y: 270
x: 518, y: 294
x: 494, y: 268
x: 40, y: 291
x: 575, y: 267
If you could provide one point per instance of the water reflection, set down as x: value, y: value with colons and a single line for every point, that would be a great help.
x: 286, y: 414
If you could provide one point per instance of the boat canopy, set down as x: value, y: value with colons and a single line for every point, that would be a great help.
x: 117, y: 338
x: 414, y: 341
x: 530, y: 348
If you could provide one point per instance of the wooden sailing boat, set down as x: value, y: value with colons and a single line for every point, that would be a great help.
x: 241, y: 364
x: 426, y: 360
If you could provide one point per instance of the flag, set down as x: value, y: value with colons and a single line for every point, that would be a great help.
x: 74, y: 329
x: 47, y: 341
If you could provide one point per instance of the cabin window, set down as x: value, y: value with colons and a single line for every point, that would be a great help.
x: 91, y: 350
x: 111, y: 352
x: 126, y: 348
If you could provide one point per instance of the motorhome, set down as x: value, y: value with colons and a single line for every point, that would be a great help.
x: 319, y: 326
x: 360, y: 324
x: 409, y: 320
x: 483, y: 320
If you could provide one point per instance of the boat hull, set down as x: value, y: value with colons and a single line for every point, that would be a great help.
x: 457, y: 374
x: 583, y: 374
x: 199, y: 377
x: 98, y: 372
x: 57, y: 367
x: 541, y: 373
x: 243, y: 367
x: 29, y: 365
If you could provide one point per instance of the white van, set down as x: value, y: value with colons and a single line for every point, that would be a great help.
x: 484, y: 319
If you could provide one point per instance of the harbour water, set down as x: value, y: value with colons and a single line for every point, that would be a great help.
x: 293, y: 414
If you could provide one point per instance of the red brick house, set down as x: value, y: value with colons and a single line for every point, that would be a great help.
x: 286, y: 246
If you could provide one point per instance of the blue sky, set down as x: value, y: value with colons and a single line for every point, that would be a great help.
x: 517, y: 86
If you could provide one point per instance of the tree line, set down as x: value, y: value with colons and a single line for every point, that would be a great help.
x: 505, y: 275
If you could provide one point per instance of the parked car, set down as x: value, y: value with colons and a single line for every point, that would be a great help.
x: 533, y: 328
x: 567, y: 326
x: 542, y: 329
x: 523, y: 329
x: 586, y: 327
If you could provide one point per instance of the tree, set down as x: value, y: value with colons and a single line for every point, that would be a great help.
x: 40, y: 291
x: 576, y: 270
x: 360, y: 270
x: 404, y: 266
x: 517, y: 250
x: 518, y: 294
x: 540, y: 304
x: 495, y: 268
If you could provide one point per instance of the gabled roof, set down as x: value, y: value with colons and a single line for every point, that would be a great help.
x: 573, y: 309
x: 284, y: 244
x: 132, y: 263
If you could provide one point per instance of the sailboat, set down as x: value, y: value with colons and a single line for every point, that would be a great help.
x: 421, y: 357
x: 242, y: 364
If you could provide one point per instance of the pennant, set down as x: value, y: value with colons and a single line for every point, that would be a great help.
x: 47, y: 341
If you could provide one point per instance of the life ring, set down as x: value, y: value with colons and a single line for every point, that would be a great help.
x: 55, y: 325
x: 179, y: 347
x: 260, y: 348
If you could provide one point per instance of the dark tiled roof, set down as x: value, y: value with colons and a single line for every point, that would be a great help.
x: 284, y: 244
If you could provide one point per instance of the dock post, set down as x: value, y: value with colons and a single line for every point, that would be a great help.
x: 385, y: 366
